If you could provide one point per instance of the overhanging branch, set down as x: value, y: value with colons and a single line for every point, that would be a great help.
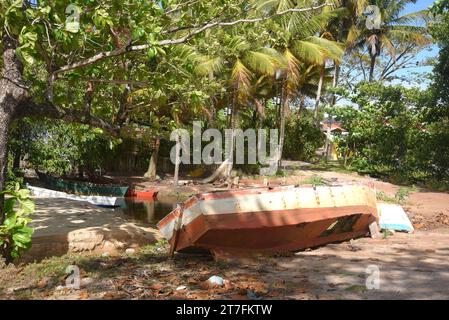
x: 113, y: 53
x: 48, y: 110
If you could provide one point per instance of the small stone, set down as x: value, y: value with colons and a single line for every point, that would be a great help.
x: 215, y: 282
x: 86, y: 281
x: 157, y: 287
x: 105, y: 255
x: 43, y: 282
x: 181, y: 288
x: 130, y: 251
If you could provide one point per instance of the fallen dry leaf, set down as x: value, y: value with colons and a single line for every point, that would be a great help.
x: 84, y: 295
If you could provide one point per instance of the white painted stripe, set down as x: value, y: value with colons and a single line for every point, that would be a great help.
x: 95, y: 200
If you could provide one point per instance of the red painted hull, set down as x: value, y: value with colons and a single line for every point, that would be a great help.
x: 144, y: 195
x: 284, y: 229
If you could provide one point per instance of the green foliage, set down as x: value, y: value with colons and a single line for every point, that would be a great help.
x: 15, y: 235
x: 13, y: 177
x: 302, y: 137
x: 440, y: 85
x: 60, y: 148
x: 248, y: 68
x: 440, y: 6
x: 393, y: 130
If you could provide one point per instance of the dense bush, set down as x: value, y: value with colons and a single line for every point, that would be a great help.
x: 302, y: 137
x: 61, y: 148
x: 393, y: 130
x: 15, y: 235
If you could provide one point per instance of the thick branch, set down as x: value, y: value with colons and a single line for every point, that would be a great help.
x: 49, y: 110
x: 113, y: 53
x: 182, y: 6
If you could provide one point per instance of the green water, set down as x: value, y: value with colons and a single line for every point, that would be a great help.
x: 146, y: 211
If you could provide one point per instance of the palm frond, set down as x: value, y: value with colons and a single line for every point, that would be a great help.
x: 331, y: 49
x: 241, y: 81
x: 264, y: 61
x: 207, y: 65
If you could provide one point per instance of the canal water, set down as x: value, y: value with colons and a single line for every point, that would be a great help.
x: 147, y: 211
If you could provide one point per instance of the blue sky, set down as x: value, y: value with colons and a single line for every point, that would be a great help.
x: 431, y: 52
x: 419, y: 5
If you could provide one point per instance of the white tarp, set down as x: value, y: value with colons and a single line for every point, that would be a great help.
x: 393, y: 217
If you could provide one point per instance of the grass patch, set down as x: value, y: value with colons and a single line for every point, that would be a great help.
x: 382, y: 196
x: 314, y: 180
x: 281, y: 173
x: 158, y: 248
x: 404, y: 192
x: 356, y: 288
x: 400, y: 197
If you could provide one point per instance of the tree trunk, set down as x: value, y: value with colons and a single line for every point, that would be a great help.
x: 318, y: 95
x: 335, y: 82
x: 177, y: 162
x: 283, y: 106
x: 5, y: 120
x: 225, y: 169
x: 327, y: 143
x: 88, y: 97
x: 151, y: 173
x: 230, y: 158
x: 371, y: 70
x: 12, y: 92
x: 302, y: 105
x: 17, y: 157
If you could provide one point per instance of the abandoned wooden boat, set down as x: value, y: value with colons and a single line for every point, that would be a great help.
x: 84, y: 188
x: 101, y: 201
x: 270, y: 220
x: 142, y: 194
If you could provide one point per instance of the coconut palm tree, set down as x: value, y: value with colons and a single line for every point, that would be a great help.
x: 394, y: 29
x: 304, y: 40
x: 242, y: 65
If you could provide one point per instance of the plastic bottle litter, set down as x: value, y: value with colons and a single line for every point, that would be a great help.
x: 216, y: 281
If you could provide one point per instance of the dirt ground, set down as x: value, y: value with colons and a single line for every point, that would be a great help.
x: 62, y: 226
x: 408, y: 266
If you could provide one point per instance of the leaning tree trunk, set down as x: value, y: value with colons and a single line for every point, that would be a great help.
x: 151, y: 173
x: 225, y: 169
x: 327, y: 144
x: 12, y: 92
x: 318, y: 95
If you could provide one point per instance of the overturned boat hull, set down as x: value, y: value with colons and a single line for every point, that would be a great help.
x: 144, y: 195
x: 84, y: 188
x: 272, y: 220
x: 100, y: 201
